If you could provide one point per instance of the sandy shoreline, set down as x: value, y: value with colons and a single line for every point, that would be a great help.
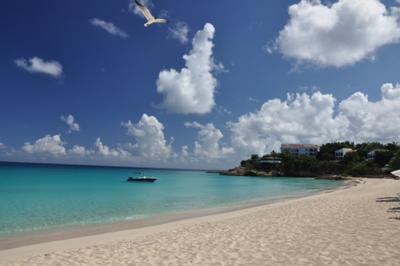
x: 12, y: 241
x: 344, y: 227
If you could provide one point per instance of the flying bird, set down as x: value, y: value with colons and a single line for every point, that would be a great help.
x: 150, y: 18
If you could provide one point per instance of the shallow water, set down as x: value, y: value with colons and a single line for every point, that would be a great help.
x: 34, y: 197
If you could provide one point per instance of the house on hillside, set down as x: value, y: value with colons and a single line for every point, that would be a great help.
x: 339, y: 154
x: 371, y: 154
x: 300, y: 149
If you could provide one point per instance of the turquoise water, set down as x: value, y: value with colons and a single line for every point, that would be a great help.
x: 34, y: 197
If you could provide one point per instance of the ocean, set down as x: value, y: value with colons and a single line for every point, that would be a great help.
x: 35, y: 196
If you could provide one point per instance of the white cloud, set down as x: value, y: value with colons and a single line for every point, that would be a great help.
x: 80, y: 151
x: 106, y: 151
x: 305, y: 118
x: 2, y: 146
x: 316, y: 118
x: 300, y: 118
x: 55, y: 147
x: 390, y: 91
x: 52, y: 145
x: 191, y: 91
x: 373, y: 121
x: 180, y: 32
x: 71, y: 123
x: 149, y: 138
x: 208, y: 145
x: 185, y: 151
x: 38, y: 65
x: 109, y: 27
x: 337, y: 34
x: 396, y: 12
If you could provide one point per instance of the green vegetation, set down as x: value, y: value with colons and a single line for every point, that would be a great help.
x: 385, y: 158
x: 308, y: 166
x: 395, y: 162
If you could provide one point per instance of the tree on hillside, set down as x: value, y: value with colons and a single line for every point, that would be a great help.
x: 364, y: 168
x: 351, y: 158
x: 248, y: 164
x: 255, y: 157
x: 274, y: 154
x: 364, y: 148
x: 382, y: 158
x: 395, y: 162
x: 393, y: 147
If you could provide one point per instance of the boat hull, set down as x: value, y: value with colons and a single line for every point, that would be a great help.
x: 142, y: 180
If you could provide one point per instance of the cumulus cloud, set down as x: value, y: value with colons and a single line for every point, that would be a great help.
x: 109, y: 27
x: 71, y: 123
x: 149, y: 138
x: 108, y: 152
x: 373, y: 121
x: 80, y: 151
x: 317, y: 118
x: 179, y: 32
x: 185, y: 151
x: 300, y: 118
x: 38, y: 65
x: 191, y: 90
x: 390, y: 91
x: 52, y: 145
x: 207, y: 145
x: 395, y: 10
x: 337, y: 34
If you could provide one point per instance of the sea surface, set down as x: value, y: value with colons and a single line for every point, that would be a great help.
x: 35, y: 197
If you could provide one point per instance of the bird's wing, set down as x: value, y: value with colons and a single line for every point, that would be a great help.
x: 161, y: 20
x: 145, y: 11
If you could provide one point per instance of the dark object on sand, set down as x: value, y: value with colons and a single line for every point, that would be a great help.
x: 388, y: 199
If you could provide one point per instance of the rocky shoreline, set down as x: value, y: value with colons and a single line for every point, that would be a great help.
x: 242, y: 171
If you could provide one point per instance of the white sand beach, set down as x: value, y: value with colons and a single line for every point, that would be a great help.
x: 343, y: 227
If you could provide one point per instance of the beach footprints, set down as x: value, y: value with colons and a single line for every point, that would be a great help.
x: 393, y: 209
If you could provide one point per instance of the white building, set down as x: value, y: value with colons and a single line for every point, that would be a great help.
x: 339, y: 154
x: 300, y: 149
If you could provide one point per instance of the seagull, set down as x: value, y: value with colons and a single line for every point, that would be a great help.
x: 150, y: 18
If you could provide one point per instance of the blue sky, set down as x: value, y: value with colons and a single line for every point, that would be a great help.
x: 105, y: 79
